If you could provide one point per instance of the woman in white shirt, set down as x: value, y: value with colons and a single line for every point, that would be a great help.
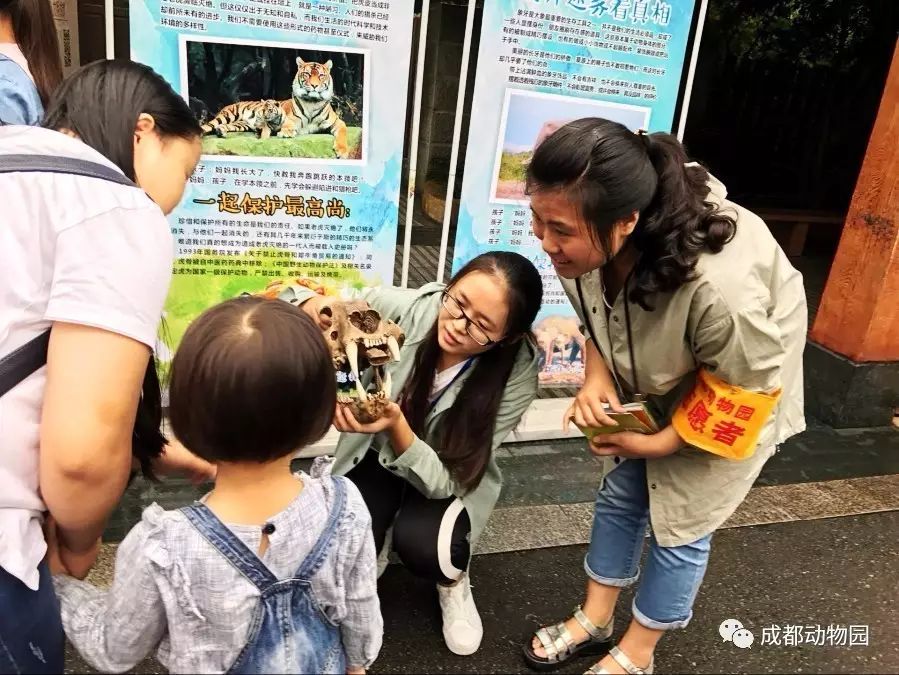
x: 91, y: 260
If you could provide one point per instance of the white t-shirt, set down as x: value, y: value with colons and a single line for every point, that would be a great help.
x: 73, y: 249
x: 443, y: 379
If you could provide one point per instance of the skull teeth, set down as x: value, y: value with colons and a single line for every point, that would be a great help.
x: 394, y: 348
x: 352, y: 355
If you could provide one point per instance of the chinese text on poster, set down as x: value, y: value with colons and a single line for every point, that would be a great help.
x: 303, y: 107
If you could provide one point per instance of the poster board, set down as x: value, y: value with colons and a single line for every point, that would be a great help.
x: 542, y: 63
x: 269, y: 200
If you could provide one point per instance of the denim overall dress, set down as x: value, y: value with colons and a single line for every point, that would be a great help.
x: 289, y: 632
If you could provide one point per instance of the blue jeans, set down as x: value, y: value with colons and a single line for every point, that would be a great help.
x: 31, y: 635
x: 671, y: 576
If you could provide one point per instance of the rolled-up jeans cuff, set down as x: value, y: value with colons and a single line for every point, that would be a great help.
x: 652, y: 624
x: 608, y: 581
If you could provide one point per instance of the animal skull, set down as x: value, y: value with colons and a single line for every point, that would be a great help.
x: 360, y: 339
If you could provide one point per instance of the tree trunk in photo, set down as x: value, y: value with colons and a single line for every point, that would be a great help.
x: 271, y: 78
x: 227, y: 60
x: 209, y: 60
x: 209, y: 91
x: 232, y: 84
x: 346, y: 75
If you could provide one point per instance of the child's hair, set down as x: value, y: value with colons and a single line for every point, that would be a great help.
x: 35, y: 31
x: 252, y: 381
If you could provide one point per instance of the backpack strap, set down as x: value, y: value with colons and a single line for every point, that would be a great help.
x: 319, y: 552
x: 31, y: 356
x: 70, y: 165
x: 24, y: 361
x: 229, y: 545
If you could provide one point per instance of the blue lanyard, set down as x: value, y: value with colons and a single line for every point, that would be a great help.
x: 450, y: 383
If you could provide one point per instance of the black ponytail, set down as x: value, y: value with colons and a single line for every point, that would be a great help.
x: 148, y: 441
x: 613, y: 172
x: 102, y: 102
x: 678, y: 224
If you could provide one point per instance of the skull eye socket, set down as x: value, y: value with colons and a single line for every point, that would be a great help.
x: 366, y: 321
x: 327, y: 311
x: 333, y: 334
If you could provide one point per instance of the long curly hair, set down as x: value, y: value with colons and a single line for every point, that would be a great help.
x: 611, y: 172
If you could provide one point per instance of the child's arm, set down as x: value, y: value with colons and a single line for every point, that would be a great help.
x: 115, y: 629
x: 363, y: 628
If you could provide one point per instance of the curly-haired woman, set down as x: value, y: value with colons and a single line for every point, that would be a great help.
x: 691, y: 306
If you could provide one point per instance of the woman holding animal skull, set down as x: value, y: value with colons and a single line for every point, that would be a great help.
x: 426, y: 469
x: 688, y: 300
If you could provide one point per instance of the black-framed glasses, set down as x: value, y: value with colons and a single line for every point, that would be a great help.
x: 475, y: 332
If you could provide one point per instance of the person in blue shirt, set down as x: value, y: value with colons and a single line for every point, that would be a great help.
x: 30, y: 66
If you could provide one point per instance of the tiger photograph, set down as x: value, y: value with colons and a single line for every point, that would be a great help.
x: 278, y: 102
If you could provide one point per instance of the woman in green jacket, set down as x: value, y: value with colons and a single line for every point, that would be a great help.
x: 466, y: 375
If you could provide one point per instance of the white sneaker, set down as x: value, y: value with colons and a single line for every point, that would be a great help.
x: 462, y: 627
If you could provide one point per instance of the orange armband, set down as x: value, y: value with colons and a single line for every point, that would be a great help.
x: 723, y: 419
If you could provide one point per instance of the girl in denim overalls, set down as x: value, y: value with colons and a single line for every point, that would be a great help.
x: 289, y: 584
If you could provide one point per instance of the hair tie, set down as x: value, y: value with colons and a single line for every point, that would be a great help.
x: 644, y: 136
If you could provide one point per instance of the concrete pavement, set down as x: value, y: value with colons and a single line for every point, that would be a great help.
x: 840, y: 571
x: 813, y: 554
